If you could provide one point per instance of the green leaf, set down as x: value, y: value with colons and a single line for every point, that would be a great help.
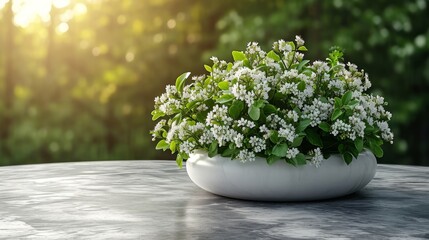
x: 162, y: 145
x: 228, y: 152
x: 271, y: 54
x: 157, y: 114
x: 292, y: 44
x: 302, y: 48
x: 274, y: 137
x: 378, y: 151
x: 259, y: 103
x: 177, y: 118
x: 348, y: 157
x: 173, y: 146
x: 338, y: 103
x: 272, y: 159
x: 180, y: 81
x: 213, y: 148
x: 375, y: 148
x: 179, y: 160
x: 254, y: 112
x: 336, y: 114
x: 325, y: 126
x: 313, y: 137
x: 201, y: 116
x: 341, y: 148
x: 291, y: 161
x: 280, y: 150
x: 229, y: 67
x: 269, y: 109
x: 370, y: 130
x: 235, y: 110
x: 302, y: 64
x: 190, y: 105
x: 303, y: 124
x: 300, y: 159
x: 224, y: 85
x: 352, y: 149
x: 323, y: 100
x: 359, y: 144
x: 208, y: 68
x: 301, y: 86
x: 225, y: 98
x: 346, y: 97
x: 297, y: 141
x: 238, y: 56
x: 353, y: 103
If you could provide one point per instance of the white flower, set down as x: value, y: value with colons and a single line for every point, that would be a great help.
x: 367, y: 84
x: 291, y: 153
x: 245, y: 155
x: 245, y: 124
x: 160, y: 125
x: 317, y: 158
x: 337, y: 86
x: 288, y: 132
x: 317, y: 112
x: 258, y: 144
x: 299, y: 41
x: 320, y: 67
x: 238, y: 139
x: 289, y: 88
x: 340, y: 127
x: 262, y: 89
x: 254, y: 49
x: 214, y: 59
x: 187, y: 147
x: 292, y: 115
x: 282, y: 46
x: 358, y: 125
x: 206, y: 137
x: 171, y: 133
x: 222, y: 134
x: 239, y: 91
x: 218, y: 115
x: 265, y: 131
x: 386, y: 134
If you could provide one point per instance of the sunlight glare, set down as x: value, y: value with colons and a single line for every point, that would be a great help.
x: 62, y: 27
x: 2, y: 3
x: 28, y: 11
x: 60, y: 3
x: 80, y: 8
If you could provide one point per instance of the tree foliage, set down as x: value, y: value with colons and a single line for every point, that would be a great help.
x: 79, y: 83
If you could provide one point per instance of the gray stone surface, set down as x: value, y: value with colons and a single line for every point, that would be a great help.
x: 156, y: 200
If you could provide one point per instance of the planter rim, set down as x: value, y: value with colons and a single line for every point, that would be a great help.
x: 280, y: 181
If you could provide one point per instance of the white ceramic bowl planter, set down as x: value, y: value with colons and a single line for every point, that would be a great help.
x: 281, y: 181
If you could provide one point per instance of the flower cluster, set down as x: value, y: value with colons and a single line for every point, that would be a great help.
x: 275, y: 105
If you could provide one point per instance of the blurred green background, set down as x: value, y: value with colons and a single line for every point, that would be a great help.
x: 78, y: 77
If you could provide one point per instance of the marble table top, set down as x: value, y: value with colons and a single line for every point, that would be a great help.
x: 156, y: 200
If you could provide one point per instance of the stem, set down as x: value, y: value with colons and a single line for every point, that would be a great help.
x: 293, y: 58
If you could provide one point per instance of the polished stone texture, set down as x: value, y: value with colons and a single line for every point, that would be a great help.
x: 156, y: 200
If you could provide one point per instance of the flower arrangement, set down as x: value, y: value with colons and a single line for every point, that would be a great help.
x: 275, y: 105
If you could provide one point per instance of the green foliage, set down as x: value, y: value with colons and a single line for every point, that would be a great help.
x: 254, y: 112
x: 235, y: 109
x: 238, y: 56
x: 389, y: 41
x: 280, y: 150
x: 290, y: 116
x: 180, y: 82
